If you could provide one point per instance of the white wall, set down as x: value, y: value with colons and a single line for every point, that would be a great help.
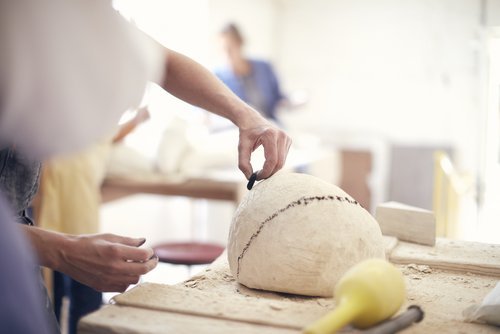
x: 402, y: 70
x: 179, y: 25
x: 257, y: 19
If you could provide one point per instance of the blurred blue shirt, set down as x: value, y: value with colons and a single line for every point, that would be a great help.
x: 260, y: 88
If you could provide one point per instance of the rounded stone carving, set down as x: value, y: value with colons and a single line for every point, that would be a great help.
x: 297, y: 234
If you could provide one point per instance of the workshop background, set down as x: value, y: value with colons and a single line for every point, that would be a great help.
x: 388, y: 85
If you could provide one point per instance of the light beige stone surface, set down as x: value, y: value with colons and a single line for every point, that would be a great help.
x: 407, y: 223
x: 295, y: 233
x: 204, y: 304
x: 287, y: 313
x: 443, y: 296
x: 114, y: 319
x: 462, y: 256
x: 444, y: 280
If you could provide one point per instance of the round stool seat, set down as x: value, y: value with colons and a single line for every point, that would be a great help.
x: 188, y: 253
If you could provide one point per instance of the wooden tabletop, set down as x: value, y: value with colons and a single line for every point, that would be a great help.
x: 113, y: 189
x: 443, y: 280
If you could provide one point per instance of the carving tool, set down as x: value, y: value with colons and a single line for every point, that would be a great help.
x: 412, y: 315
x: 367, y: 294
x: 251, y: 181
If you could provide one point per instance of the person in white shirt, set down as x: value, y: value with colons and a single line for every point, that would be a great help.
x: 68, y: 70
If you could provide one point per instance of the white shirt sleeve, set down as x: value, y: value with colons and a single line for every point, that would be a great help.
x: 68, y: 70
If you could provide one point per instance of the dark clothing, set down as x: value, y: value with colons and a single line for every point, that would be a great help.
x: 19, y: 177
x: 82, y: 299
x: 21, y: 305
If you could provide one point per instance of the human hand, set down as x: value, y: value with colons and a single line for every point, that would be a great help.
x: 106, y: 262
x: 258, y: 131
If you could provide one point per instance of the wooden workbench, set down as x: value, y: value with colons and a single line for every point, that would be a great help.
x: 199, y: 188
x: 443, y: 280
x: 227, y: 184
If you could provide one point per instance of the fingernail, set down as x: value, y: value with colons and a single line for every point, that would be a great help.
x: 141, y: 242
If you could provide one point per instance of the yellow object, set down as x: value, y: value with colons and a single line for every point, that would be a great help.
x: 70, y: 191
x: 451, y: 188
x: 370, y: 292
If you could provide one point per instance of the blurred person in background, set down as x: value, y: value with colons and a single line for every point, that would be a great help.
x: 68, y: 70
x: 254, y: 81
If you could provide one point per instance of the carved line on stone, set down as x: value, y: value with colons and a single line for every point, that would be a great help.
x: 301, y: 201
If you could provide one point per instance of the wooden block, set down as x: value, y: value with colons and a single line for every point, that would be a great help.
x: 407, y: 223
x: 389, y: 243
x: 453, y: 255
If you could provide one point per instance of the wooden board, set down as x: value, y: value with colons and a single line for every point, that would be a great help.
x: 291, y: 313
x: 114, y: 319
x: 407, y: 223
x: 452, y: 255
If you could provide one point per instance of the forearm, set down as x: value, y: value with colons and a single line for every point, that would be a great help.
x: 191, y: 82
x: 125, y: 130
x: 105, y: 262
x: 49, y: 246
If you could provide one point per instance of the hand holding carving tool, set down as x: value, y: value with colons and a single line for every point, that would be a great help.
x: 251, y: 181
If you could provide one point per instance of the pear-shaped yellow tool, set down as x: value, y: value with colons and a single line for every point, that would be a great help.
x: 368, y: 293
